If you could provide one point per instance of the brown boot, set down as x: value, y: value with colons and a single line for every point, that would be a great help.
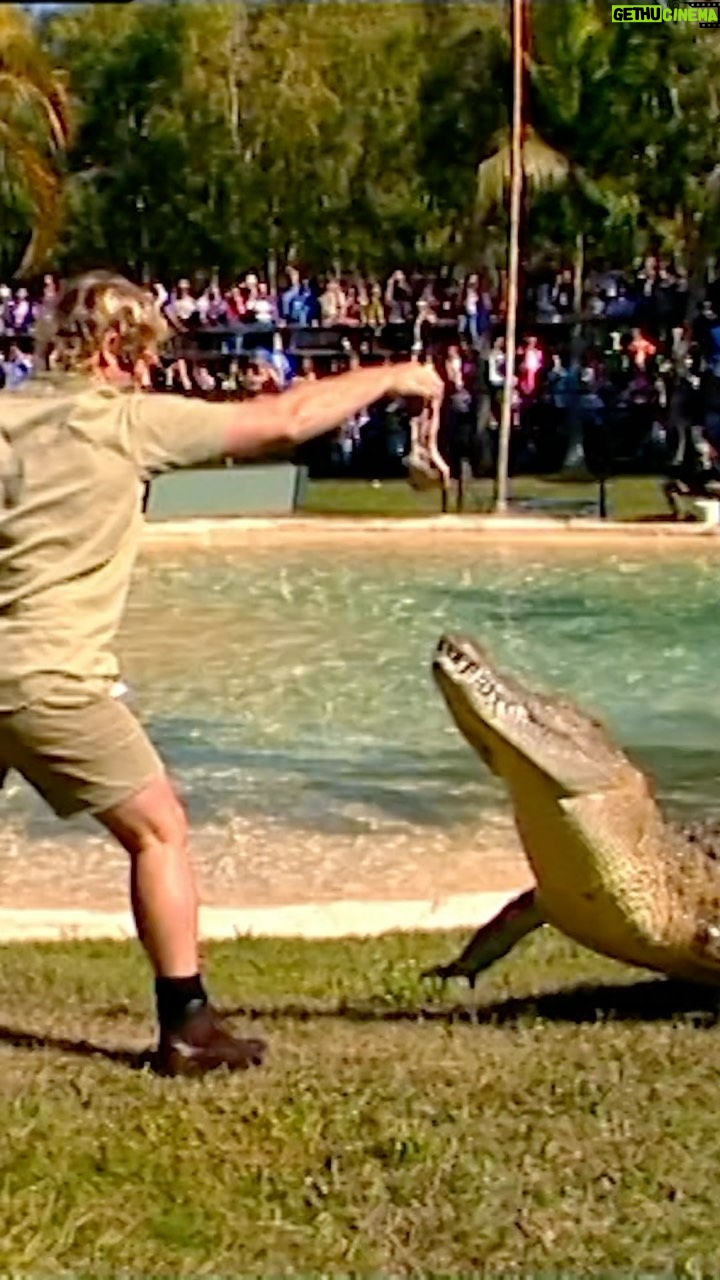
x: 202, y: 1044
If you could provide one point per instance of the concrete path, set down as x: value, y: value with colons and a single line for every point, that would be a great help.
x: 341, y: 919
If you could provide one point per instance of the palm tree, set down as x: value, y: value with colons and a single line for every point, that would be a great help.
x: 570, y: 59
x: 34, y: 131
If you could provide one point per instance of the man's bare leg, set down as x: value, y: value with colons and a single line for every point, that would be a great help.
x: 152, y: 827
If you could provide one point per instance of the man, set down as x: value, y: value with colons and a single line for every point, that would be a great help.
x: 76, y: 446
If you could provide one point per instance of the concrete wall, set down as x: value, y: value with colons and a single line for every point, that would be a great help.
x: 268, y: 489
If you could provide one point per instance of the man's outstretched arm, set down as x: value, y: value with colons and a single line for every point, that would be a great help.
x: 168, y: 431
x: 305, y: 411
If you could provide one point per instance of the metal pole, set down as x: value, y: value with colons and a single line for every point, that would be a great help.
x: 516, y: 183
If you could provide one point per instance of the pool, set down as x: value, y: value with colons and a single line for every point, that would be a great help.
x: 288, y: 685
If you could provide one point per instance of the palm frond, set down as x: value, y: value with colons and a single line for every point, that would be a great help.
x: 35, y: 126
x: 40, y: 185
x: 543, y: 166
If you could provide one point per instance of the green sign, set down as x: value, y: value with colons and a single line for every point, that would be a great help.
x: 700, y: 15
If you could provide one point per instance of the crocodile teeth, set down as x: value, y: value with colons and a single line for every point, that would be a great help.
x: 465, y: 666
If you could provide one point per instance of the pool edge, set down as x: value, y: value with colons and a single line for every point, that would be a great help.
x: 210, y: 529
x: 344, y: 918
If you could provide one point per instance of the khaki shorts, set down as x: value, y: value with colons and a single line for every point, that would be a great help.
x: 81, y: 755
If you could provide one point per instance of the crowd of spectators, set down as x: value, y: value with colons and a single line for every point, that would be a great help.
x: 633, y: 387
x: 652, y: 296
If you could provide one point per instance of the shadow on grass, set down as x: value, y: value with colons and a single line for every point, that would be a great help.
x: 652, y: 1000
x: 77, y: 1048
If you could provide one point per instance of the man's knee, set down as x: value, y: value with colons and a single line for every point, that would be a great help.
x: 155, y: 815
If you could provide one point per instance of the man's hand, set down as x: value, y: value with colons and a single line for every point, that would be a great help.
x: 414, y: 379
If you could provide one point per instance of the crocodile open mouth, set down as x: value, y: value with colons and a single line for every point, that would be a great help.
x: 463, y: 660
x: 464, y: 664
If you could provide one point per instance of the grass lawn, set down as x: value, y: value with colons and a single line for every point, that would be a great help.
x: 629, y: 497
x: 562, y: 1120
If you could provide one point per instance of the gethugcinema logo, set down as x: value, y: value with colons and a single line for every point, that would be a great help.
x: 698, y: 14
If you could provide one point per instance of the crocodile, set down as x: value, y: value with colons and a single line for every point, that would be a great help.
x: 610, y: 871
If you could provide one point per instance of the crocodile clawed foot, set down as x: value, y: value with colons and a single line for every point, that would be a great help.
x: 452, y: 970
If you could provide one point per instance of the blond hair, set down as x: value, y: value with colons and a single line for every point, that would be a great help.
x: 91, y: 308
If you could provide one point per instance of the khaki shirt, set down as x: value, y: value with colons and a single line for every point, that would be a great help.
x: 74, y: 453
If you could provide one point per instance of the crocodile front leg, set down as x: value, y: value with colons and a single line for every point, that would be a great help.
x: 494, y: 939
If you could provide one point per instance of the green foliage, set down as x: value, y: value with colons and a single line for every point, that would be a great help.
x: 34, y: 128
x: 216, y: 134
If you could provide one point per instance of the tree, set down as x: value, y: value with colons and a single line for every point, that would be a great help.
x: 34, y: 131
x: 566, y: 62
x: 212, y: 134
x: 463, y: 103
x: 242, y: 132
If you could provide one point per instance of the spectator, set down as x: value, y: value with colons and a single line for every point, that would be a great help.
x: 349, y: 436
x: 233, y: 382
x: 289, y: 298
x: 280, y: 362
x: 308, y: 304
x: 647, y: 278
x: 497, y: 364
x: 50, y: 291
x: 594, y: 303
x: 249, y: 293
x: 235, y: 305
x: 459, y: 440
x: 449, y: 302
x: 177, y: 378
x: 212, y: 307
x: 531, y: 363
x: 398, y: 299
x: 5, y: 300
x: 264, y: 310
x: 621, y: 306
x: 20, y: 313
x: 608, y: 284
x: 563, y: 294
x: 425, y: 319
x: 373, y: 311
x: 354, y: 306
x: 261, y: 375
x: 665, y: 298
x: 182, y: 307
x: 641, y: 349
x: 203, y: 379
x: 17, y: 367
x: 333, y: 303
x: 474, y: 320
x: 158, y: 288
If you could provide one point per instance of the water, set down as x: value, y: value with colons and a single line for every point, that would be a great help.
x: 288, y: 686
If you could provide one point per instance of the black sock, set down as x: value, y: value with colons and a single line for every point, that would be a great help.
x: 175, y: 996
